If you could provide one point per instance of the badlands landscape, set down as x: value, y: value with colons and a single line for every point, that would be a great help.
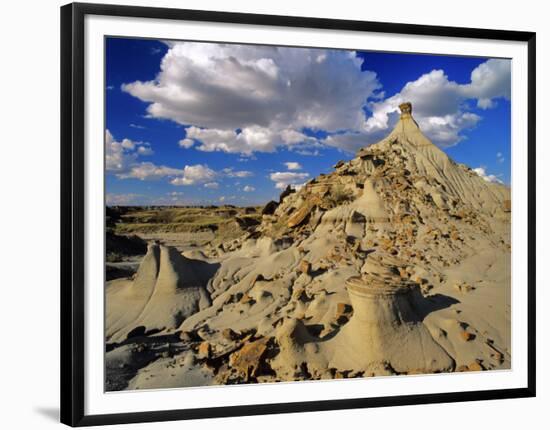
x: 395, y: 263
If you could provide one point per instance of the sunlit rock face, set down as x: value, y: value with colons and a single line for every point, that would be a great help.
x: 385, y: 333
x: 167, y: 289
x: 396, y: 262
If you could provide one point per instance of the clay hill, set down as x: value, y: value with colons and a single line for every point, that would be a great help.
x: 397, y: 262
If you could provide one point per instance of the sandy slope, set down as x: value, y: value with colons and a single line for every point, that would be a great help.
x: 397, y: 262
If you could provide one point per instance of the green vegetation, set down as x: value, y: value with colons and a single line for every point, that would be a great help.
x: 221, y: 220
x: 339, y: 195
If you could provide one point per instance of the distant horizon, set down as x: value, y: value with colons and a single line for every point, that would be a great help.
x: 181, y: 206
x: 206, y: 124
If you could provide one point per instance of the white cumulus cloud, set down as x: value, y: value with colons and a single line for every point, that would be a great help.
x: 247, y: 141
x: 293, y: 165
x: 283, y: 179
x: 197, y: 174
x: 122, y: 159
x: 118, y: 155
x: 231, y: 173
x: 482, y: 171
x: 248, y: 188
x: 186, y: 143
x: 144, y: 150
x: 489, y: 81
x: 242, y: 98
x: 148, y: 171
x: 246, y: 99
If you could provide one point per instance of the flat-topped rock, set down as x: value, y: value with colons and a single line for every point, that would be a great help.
x: 386, y: 330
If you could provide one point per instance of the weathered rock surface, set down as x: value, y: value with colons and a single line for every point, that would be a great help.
x: 167, y: 289
x: 364, y: 271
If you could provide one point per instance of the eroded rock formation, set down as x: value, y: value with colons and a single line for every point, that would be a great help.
x: 355, y: 274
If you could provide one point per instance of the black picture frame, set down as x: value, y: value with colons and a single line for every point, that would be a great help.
x: 73, y: 210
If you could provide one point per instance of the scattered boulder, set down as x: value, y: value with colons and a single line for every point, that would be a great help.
x: 270, y: 207
x: 343, y: 312
x: 299, y: 216
x: 247, y: 360
x: 186, y: 336
x: 229, y: 334
x: 464, y: 287
x: 287, y: 191
x: 475, y: 366
x: 305, y: 267
x: 246, y: 299
x: 467, y: 336
x: 204, y: 350
x: 498, y: 356
x: 246, y: 222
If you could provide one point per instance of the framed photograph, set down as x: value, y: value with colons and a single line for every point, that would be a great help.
x: 269, y: 214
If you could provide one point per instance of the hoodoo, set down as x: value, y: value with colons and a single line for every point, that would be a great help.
x: 166, y: 290
x: 385, y: 334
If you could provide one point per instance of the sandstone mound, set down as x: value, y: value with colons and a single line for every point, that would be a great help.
x: 166, y: 290
x: 397, y: 262
x: 385, y: 333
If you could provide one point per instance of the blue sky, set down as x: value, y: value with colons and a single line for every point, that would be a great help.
x: 200, y: 123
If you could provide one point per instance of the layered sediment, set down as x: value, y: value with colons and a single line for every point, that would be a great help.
x: 167, y: 288
x: 385, y: 333
x: 396, y: 262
